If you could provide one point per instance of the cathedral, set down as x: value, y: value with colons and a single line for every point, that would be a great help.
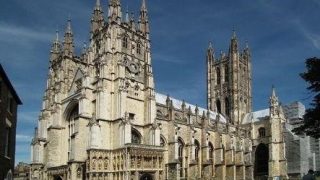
x: 102, y: 117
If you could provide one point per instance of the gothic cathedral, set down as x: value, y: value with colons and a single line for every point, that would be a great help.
x: 102, y: 118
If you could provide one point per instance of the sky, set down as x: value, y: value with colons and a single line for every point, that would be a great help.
x: 281, y: 35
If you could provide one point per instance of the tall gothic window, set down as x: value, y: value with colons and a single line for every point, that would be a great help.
x: 162, y: 141
x: 138, y: 48
x: 218, y: 105
x: 180, y: 155
x: 226, y: 73
x: 210, y: 151
x: 218, y: 76
x: 227, y: 106
x: 197, y: 150
x: 125, y: 42
x: 262, y: 132
x: 72, y: 129
x: 135, y: 137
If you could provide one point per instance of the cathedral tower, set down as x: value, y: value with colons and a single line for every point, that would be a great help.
x: 229, y: 82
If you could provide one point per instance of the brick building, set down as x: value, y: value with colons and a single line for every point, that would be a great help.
x: 9, y: 101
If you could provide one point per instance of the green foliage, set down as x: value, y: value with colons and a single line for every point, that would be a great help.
x: 311, y: 125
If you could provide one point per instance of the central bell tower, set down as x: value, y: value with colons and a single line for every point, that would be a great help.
x: 229, y: 82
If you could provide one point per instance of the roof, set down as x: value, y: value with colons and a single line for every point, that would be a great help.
x: 9, y: 85
x: 161, y: 99
x: 255, y: 116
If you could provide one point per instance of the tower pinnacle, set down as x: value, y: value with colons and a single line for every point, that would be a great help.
x: 97, y: 20
x: 114, y: 13
x: 68, y: 45
x: 143, y: 19
x: 55, y: 48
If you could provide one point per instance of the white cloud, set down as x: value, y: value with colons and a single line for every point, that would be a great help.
x: 9, y: 31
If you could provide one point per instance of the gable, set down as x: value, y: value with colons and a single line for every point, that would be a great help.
x: 76, y: 82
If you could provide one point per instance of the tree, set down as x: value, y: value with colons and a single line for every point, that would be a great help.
x: 311, y: 123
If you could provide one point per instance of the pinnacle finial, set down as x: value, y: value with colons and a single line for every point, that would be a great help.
x: 69, y: 30
x: 234, y: 35
x: 210, y: 45
x: 127, y: 15
x: 143, y: 6
x: 57, y: 35
x: 273, y: 91
x: 98, y: 3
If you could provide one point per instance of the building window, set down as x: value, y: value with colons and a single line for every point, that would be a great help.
x: 226, y: 73
x: 180, y: 155
x: 211, y: 152
x: 7, y: 141
x: 196, y: 150
x: 162, y: 141
x: 135, y: 137
x: 74, y: 114
x: 218, y: 76
x: 218, y: 105
x: 227, y: 107
x: 125, y: 42
x: 10, y: 107
x: 139, y: 48
x: 262, y: 132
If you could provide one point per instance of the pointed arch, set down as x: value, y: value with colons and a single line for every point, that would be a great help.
x: 218, y: 75
x: 261, y: 160
x: 135, y: 136
x: 218, y: 105
x: 227, y: 106
x: 125, y: 41
x: 211, y: 151
x: 163, y: 141
x: 196, y: 149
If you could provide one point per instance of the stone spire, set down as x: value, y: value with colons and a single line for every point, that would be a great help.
x: 97, y: 20
x: 210, y: 52
x: 234, y: 43
x: 247, y: 49
x: 55, y: 48
x: 143, y: 19
x: 68, y: 44
x: 274, y: 103
x: 114, y: 14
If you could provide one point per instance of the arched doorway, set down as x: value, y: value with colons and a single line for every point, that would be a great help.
x: 57, y: 178
x: 261, y: 162
x: 146, y: 176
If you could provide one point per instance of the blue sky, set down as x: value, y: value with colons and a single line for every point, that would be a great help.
x: 281, y: 35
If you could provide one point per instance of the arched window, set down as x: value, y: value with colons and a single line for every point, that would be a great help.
x: 218, y: 76
x: 138, y: 48
x: 218, y: 105
x: 72, y: 129
x: 180, y: 155
x: 162, y: 141
x: 210, y: 151
x: 227, y: 106
x: 262, y: 132
x: 135, y: 137
x: 125, y: 42
x: 226, y: 73
x: 261, y: 160
x: 197, y: 149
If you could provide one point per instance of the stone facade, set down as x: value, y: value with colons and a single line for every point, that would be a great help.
x: 101, y: 117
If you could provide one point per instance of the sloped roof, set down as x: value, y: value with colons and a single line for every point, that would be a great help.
x: 255, y: 116
x: 161, y: 99
x: 8, y: 83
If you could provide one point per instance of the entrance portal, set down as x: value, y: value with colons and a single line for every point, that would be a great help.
x: 57, y: 178
x: 261, y: 162
x: 146, y: 176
